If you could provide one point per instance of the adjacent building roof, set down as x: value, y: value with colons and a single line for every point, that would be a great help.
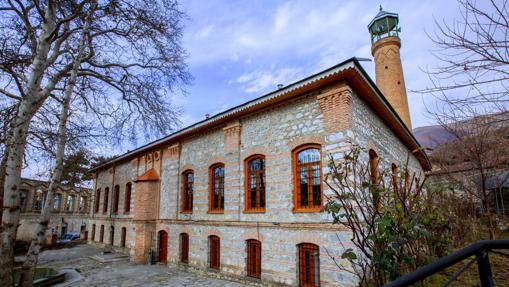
x: 349, y: 70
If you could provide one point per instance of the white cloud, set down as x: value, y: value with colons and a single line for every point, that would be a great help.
x: 261, y: 81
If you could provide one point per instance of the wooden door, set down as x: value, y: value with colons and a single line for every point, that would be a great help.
x: 215, y: 252
x: 184, y: 248
x: 163, y: 246
x: 309, y: 265
x: 112, y: 235
x: 122, y: 238
x: 254, y: 254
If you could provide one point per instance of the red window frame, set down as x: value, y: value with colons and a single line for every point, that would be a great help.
x: 310, y: 169
x: 116, y: 196
x: 309, y: 265
x: 256, y: 188
x: 127, y: 199
x: 97, y: 200
x: 105, y: 203
x: 254, y: 258
x: 216, y: 188
x: 214, y: 252
x: 184, y: 248
x: 187, y: 191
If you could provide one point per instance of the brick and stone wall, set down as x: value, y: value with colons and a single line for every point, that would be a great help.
x: 331, y: 117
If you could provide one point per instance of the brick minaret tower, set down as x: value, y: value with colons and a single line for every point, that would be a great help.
x: 385, y: 42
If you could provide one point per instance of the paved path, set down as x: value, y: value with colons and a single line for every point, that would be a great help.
x: 122, y: 274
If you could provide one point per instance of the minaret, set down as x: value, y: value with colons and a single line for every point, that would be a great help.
x: 385, y: 44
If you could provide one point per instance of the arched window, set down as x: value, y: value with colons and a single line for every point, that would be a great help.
x: 309, y: 265
x: 187, y: 191
x: 254, y: 167
x: 116, y: 196
x: 105, y: 203
x: 101, y: 234
x: 93, y: 232
x: 254, y: 258
x: 307, y: 178
x: 97, y: 199
x: 184, y: 247
x: 123, y: 236
x: 216, y: 189
x: 373, y: 167
x: 214, y: 252
x: 395, y: 182
x: 127, y: 199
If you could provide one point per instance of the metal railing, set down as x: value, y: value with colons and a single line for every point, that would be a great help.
x: 478, y: 249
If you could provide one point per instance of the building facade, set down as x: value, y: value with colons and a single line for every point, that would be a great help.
x: 241, y: 194
x: 70, y: 212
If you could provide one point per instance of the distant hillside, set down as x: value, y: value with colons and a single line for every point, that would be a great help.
x: 432, y: 136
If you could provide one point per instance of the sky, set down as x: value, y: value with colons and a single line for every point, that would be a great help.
x: 240, y: 50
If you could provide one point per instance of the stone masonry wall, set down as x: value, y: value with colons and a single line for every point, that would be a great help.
x: 273, y: 132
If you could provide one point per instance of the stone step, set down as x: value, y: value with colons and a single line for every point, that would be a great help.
x: 110, y: 257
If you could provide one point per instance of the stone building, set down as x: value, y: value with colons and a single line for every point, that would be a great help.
x: 240, y: 194
x: 70, y: 212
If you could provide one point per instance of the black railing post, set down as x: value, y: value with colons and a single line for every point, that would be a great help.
x: 483, y: 265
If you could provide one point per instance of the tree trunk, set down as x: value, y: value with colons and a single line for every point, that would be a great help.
x: 3, y: 165
x: 10, y: 218
x: 28, y: 269
x: 27, y: 108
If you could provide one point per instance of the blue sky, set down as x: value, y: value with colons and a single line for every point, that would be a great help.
x: 239, y: 50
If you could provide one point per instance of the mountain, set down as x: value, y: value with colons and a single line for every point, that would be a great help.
x: 432, y: 136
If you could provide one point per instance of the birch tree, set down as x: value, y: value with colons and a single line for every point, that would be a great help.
x: 133, y: 61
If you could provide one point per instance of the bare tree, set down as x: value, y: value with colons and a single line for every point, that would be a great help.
x: 470, y: 86
x: 477, y: 154
x: 133, y: 61
x: 28, y: 269
x: 474, y: 55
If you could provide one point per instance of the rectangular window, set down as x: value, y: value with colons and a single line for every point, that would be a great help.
x: 70, y: 203
x: 97, y: 200
x: 57, y: 201
x: 83, y: 204
x: 116, y: 195
x: 23, y: 195
x: 105, y: 203
x: 127, y: 203
x: 93, y: 232
x: 187, y: 191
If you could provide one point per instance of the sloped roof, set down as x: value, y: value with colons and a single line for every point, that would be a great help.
x: 349, y: 70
